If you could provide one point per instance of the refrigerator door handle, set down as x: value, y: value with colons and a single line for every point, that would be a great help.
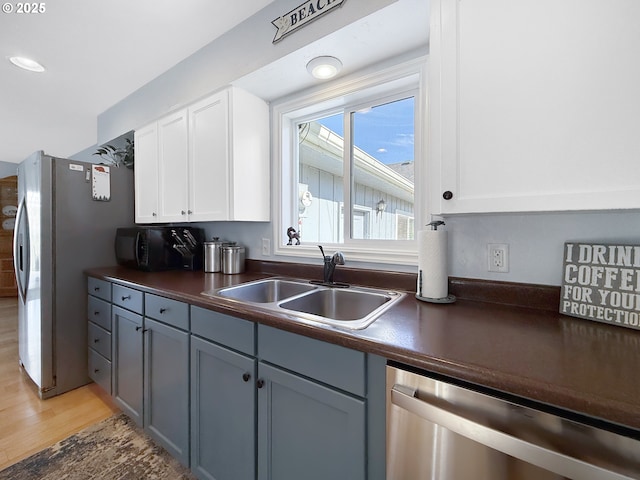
x: 21, y: 249
x: 406, y: 397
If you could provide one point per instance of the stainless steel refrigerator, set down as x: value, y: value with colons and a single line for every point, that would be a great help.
x: 66, y: 222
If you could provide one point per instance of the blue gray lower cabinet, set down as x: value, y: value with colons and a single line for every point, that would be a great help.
x: 307, y: 430
x: 127, y: 338
x: 223, y: 412
x: 99, y: 334
x: 166, y: 387
x: 237, y: 400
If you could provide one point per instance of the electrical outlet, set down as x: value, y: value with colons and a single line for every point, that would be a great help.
x: 266, y: 246
x: 498, y: 254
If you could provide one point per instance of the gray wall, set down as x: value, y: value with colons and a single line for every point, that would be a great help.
x: 535, y: 240
x: 231, y: 56
x: 7, y: 169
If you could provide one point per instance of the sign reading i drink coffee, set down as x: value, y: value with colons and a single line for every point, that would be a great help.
x: 302, y: 15
x: 602, y: 283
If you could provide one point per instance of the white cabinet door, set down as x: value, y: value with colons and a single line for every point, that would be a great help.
x: 209, y: 162
x: 172, y: 167
x: 209, y: 158
x: 250, y: 166
x: 146, y: 174
x: 534, y: 105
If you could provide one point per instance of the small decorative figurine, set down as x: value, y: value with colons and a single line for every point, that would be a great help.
x: 291, y: 233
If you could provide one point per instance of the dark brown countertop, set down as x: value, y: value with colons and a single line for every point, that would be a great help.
x: 574, y: 364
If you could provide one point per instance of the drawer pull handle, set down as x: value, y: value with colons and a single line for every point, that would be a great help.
x: 96, y: 370
x: 96, y: 340
x: 138, y: 329
x: 96, y: 289
x: 246, y: 376
x: 162, y: 310
x: 260, y: 383
x: 126, y: 297
x: 96, y: 313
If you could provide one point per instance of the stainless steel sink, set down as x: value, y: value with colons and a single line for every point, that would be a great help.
x: 352, y: 307
x: 265, y: 291
x: 338, y: 304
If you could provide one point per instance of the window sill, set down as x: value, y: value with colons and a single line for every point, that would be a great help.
x: 408, y: 257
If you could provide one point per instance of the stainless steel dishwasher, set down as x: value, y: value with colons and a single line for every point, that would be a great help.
x: 440, y: 431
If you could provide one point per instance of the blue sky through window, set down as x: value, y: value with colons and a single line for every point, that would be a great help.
x: 386, y: 132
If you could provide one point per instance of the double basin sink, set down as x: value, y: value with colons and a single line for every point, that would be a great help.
x: 346, y: 306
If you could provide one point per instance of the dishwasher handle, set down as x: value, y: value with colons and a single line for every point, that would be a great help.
x: 556, y: 462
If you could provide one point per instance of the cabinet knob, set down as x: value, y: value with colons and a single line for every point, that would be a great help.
x: 153, y: 214
x: 189, y: 212
x: 96, y: 370
x: 96, y: 313
x: 138, y: 329
x: 448, y: 195
x: 96, y: 289
x: 246, y: 376
x: 96, y: 340
x: 182, y: 212
x: 162, y: 310
x: 260, y: 383
x: 126, y: 297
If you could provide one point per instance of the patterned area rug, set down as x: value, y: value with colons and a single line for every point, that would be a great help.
x: 114, y: 449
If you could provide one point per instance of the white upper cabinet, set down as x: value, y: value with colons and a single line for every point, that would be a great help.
x: 534, y: 105
x: 146, y: 174
x: 172, y: 167
x: 229, y: 157
x: 211, y: 162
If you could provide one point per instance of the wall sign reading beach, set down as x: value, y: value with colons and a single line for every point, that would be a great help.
x: 302, y: 15
x: 602, y: 283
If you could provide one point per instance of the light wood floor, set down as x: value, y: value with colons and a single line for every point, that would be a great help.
x: 28, y: 424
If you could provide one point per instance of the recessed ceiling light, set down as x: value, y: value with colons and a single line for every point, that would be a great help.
x: 27, y: 64
x: 324, y: 67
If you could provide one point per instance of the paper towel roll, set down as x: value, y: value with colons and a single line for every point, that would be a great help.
x: 432, y: 264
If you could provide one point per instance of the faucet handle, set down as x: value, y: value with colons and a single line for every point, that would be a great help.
x: 338, y: 258
x: 321, y: 251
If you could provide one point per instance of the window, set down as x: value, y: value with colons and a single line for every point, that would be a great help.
x: 348, y: 169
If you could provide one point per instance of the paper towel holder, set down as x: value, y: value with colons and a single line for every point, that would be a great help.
x: 449, y: 298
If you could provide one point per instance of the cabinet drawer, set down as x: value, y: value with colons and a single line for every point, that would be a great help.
x: 99, y: 288
x: 100, y: 340
x: 128, y: 298
x: 167, y: 311
x: 99, y: 312
x: 100, y: 370
x: 232, y: 332
x: 332, y: 364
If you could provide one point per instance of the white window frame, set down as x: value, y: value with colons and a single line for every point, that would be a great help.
x: 347, y: 93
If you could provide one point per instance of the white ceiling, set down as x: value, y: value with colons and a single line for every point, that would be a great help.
x: 391, y: 31
x: 96, y: 52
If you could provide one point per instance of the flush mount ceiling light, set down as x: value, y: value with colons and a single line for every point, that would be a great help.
x: 26, y: 64
x: 324, y: 67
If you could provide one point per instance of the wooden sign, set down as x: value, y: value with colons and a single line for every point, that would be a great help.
x: 602, y: 283
x: 302, y: 15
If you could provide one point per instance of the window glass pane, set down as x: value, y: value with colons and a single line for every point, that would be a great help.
x: 383, y: 172
x: 320, y: 180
